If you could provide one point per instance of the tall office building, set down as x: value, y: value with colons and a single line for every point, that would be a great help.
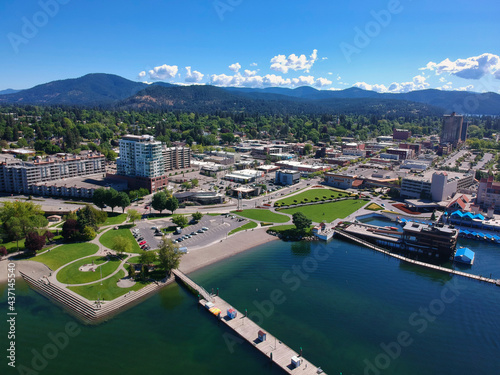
x: 452, y: 129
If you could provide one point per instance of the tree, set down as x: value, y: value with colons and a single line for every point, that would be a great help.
x: 307, y: 148
x: 197, y: 216
x: 3, y: 252
x: 131, y: 270
x: 87, y: 234
x: 112, y: 198
x: 48, y: 236
x: 147, y: 257
x: 86, y: 217
x: 172, y: 204
x: 159, y: 201
x: 169, y: 255
x: 70, y: 229
x: 133, y: 215
x: 194, y: 182
x: 100, y: 198
x: 123, y: 200
x: 122, y: 245
x: 34, y: 242
x: 180, y: 220
x: 301, y: 221
x: 20, y: 218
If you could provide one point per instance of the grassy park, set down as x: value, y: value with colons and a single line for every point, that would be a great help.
x: 311, y: 195
x: 246, y: 226
x: 107, y: 239
x: 115, y: 218
x: 328, y: 211
x: 262, y: 215
x: 108, y: 290
x: 66, y: 253
x: 72, y: 275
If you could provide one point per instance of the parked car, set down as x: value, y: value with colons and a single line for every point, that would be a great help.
x: 143, y: 247
x: 200, y: 231
x: 204, y: 229
x: 158, y: 234
x: 142, y: 243
x: 140, y: 239
x: 193, y: 234
x: 154, y: 228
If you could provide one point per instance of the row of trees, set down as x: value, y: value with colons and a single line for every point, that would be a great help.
x: 164, y: 201
x: 110, y: 198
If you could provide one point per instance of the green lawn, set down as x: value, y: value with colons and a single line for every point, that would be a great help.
x: 246, y: 226
x: 108, y: 237
x: 328, y: 211
x: 71, y: 274
x: 107, y: 291
x: 262, y: 215
x: 12, y: 246
x: 115, y: 218
x: 66, y: 253
x: 136, y: 260
x: 158, y: 216
x: 282, y: 228
x: 311, y: 196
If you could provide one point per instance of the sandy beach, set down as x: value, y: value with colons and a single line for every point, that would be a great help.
x: 235, y: 244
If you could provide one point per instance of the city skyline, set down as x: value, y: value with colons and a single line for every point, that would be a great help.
x: 384, y: 46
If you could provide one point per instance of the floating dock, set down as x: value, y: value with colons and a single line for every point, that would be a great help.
x: 248, y: 330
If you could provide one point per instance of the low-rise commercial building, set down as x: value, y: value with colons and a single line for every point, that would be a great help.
x: 287, y: 177
x: 488, y: 194
x: 342, y: 180
x: 437, y: 186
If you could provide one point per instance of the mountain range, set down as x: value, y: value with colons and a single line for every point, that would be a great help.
x: 108, y: 90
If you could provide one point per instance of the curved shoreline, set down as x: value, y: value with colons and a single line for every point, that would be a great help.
x: 194, y: 260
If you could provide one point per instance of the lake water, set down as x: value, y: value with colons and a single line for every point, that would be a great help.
x: 345, y: 305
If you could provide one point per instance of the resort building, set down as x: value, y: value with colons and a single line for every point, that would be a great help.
x: 342, y: 180
x: 144, y: 162
x: 35, y: 177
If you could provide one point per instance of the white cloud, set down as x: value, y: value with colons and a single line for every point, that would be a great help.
x: 324, y: 58
x: 466, y: 88
x: 418, y: 83
x: 474, y: 67
x: 283, y: 64
x: 235, y: 67
x: 303, y: 81
x: 142, y: 74
x: 366, y: 86
x: 268, y: 80
x: 442, y: 79
x: 253, y: 64
x: 163, y: 72
x: 249, y: 73
x: 322, y: 82
x: 193, y: 76
x: 330, y: 73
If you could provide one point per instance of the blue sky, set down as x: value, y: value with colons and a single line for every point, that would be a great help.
x: 391, y: 45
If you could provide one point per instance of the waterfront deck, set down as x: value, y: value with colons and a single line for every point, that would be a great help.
x: 416, y: 262
x: 247, y: 329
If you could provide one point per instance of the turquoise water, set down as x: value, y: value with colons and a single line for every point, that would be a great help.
x: 341, y: 306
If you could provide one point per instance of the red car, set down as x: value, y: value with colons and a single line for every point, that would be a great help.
x: 142, y: 243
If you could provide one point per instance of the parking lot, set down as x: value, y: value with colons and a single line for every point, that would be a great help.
x: 218, y: 228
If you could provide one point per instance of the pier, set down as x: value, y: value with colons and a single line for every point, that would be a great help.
x: 416, y: 262
x: 248, y: 330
